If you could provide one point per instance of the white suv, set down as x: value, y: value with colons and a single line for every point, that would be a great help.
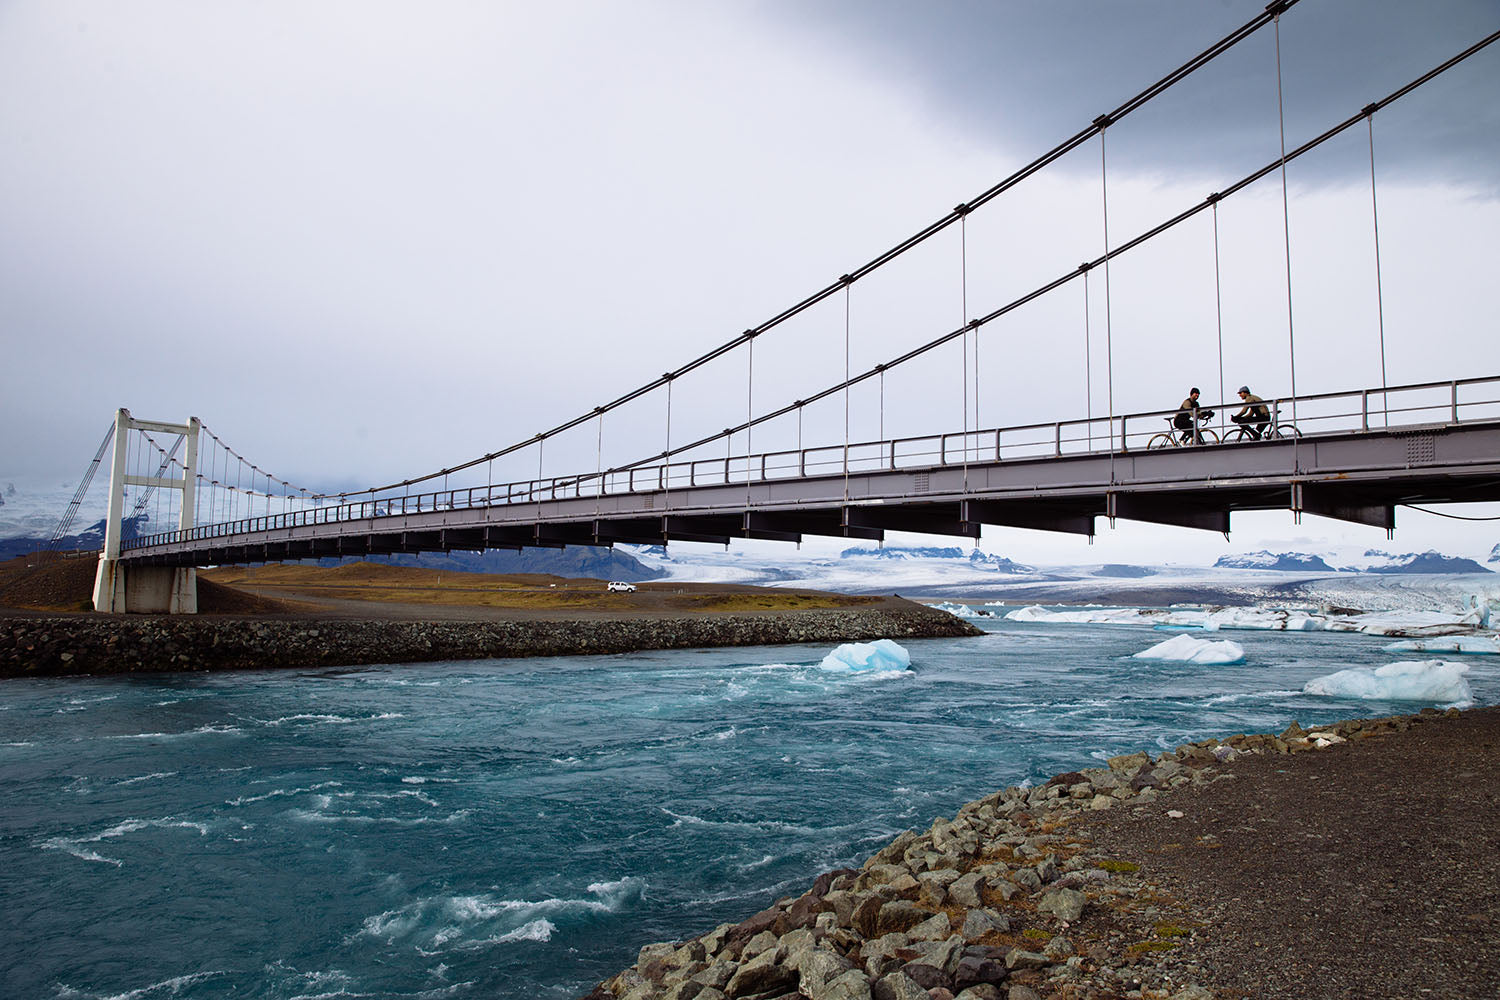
x: 620, y: 587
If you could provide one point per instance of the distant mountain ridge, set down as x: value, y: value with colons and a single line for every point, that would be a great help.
x: 974, y: 557
x: 1285, y: 561
x: 1431, y: 561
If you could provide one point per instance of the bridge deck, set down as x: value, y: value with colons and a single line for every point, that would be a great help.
x: 1358, y: 476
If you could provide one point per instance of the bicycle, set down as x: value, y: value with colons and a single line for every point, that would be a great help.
x: 1170, y: 439
x: 1274, y: 429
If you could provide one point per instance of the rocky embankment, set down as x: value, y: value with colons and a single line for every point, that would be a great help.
x: 1009, y: 899
x: 112, y: 644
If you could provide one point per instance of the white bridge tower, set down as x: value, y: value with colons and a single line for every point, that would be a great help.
x: 120, y: 586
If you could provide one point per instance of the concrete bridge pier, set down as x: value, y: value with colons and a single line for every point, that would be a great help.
x: 124, y: 587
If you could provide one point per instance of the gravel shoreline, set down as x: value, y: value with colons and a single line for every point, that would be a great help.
x: 112, y: 644
x: 1355, y: 860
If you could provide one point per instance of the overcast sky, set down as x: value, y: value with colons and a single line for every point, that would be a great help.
x: 366, y: 240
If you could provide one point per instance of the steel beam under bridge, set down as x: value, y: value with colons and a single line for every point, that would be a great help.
x: 1360, y: 477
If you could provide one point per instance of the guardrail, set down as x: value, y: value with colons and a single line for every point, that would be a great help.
x: 1423, y: 404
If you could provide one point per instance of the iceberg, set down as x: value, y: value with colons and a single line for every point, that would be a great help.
x: 1409, y: 680
x: 1186, y: 649
x: 879, y: 656
x: 1450, y: 644
x: 960, y: 610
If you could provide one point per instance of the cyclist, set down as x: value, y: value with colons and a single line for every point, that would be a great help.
x: 1255, y: 417
x: 1187, y: 413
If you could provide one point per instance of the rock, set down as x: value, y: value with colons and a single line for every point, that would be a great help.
x: 1022, y: 993
x: 1018, y: 958
x: 685, y: 990
x: 1127, y: 764
x: 1059, y: 949
x: 763, y: 941
x: 980, y: 991
x: 716, y: 975
x: 972, y: 970
x: 898, y: 915
x: 929, y: 977
x: 1065, y: 904
x: 1194, y: 991
x: 761, y: 974
x: 898, y: 986
x: 852, y: 985
x: 818, y: 968
x: 934, y: 928
x: 940, y: 954
x: 981, y: 921
x: 965, y: 890
x: 1027, y: 878
x: 1101, y: 802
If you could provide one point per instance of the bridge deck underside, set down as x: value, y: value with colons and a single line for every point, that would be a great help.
x: 1355, y: 477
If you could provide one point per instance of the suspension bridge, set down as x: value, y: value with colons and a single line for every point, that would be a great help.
x: 1353, y: 455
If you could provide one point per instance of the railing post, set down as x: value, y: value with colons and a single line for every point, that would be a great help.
x: 1057, y: 439
x: 1455, y: 401
x: 942, y: 449
x: 1364, y: 409
x: 1124, y: 433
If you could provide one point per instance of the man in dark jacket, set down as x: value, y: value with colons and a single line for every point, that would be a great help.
x: 1188, y: 414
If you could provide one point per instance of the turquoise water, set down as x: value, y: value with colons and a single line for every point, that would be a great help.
x: 520, y: 828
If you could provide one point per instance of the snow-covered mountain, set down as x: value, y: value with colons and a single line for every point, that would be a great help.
x: 1285, y: 561
x: 1494, y: 555
x: 1431, y: 561
x: 974, y: 557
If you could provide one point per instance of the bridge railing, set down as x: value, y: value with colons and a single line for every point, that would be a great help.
x: 1365, y: 410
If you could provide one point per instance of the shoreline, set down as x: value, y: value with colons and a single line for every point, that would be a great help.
x: 34, y: 645
x: 1357, y: 859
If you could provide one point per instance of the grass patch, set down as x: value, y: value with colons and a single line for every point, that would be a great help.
x: 1036, y: 934
x: 1168, y: 930
x: 1119, y: 866
x: 1142, y: 947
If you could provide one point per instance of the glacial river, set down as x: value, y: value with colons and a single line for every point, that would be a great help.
x: 519, y: 828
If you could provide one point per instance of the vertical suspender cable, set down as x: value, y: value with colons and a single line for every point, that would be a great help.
x: 1385, y: 404
x: 1088, y: 376
x: 1286, y: 231
x: 963, y: 229
x: 1109, y: 355
x: 666, y: 460
x: 599, y: 467
x: 1218, y: 307
x: 846, y: 392
x: 749, y: 410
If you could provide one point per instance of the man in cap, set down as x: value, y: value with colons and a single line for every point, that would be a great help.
x: 1255, y: 416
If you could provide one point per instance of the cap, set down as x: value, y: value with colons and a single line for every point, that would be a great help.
x: 1244, y: 388
x: 1193, y: 391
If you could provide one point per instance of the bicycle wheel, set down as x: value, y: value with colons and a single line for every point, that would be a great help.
x: 1207, y: 435
x: 1237, y: 434
x: 1162, y: 440
x: 1285, y: 431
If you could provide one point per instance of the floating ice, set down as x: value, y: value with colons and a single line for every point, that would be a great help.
x: 960, y: 610
x: 1410, y: 680
x: 867, y: 657
x: 1451, y: 644
x: 1186, y: 649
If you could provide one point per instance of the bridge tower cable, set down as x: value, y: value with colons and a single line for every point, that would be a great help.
x: 65, y: 523
x: 1181, y: 73
x: 1115, y: 251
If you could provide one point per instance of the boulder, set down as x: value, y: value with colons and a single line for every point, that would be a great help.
x: 819, y: 967
x: 929, y: 977
x: 965, y: 890
x: 972, y: 970
x: 1019, y: 958
x: 762, y: 974
x: 898, y: 915
x: 1064, y: 904
x: 981, y: 921
x: 898, y: 986
x: 852, y: 985
x: 934, y: 928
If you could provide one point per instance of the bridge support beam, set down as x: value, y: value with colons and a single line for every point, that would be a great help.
x: 1165, y: 509
x: 140, y: 588
x: 1311, y: 499
x: 937, y: 519
x: 1040, y: 515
